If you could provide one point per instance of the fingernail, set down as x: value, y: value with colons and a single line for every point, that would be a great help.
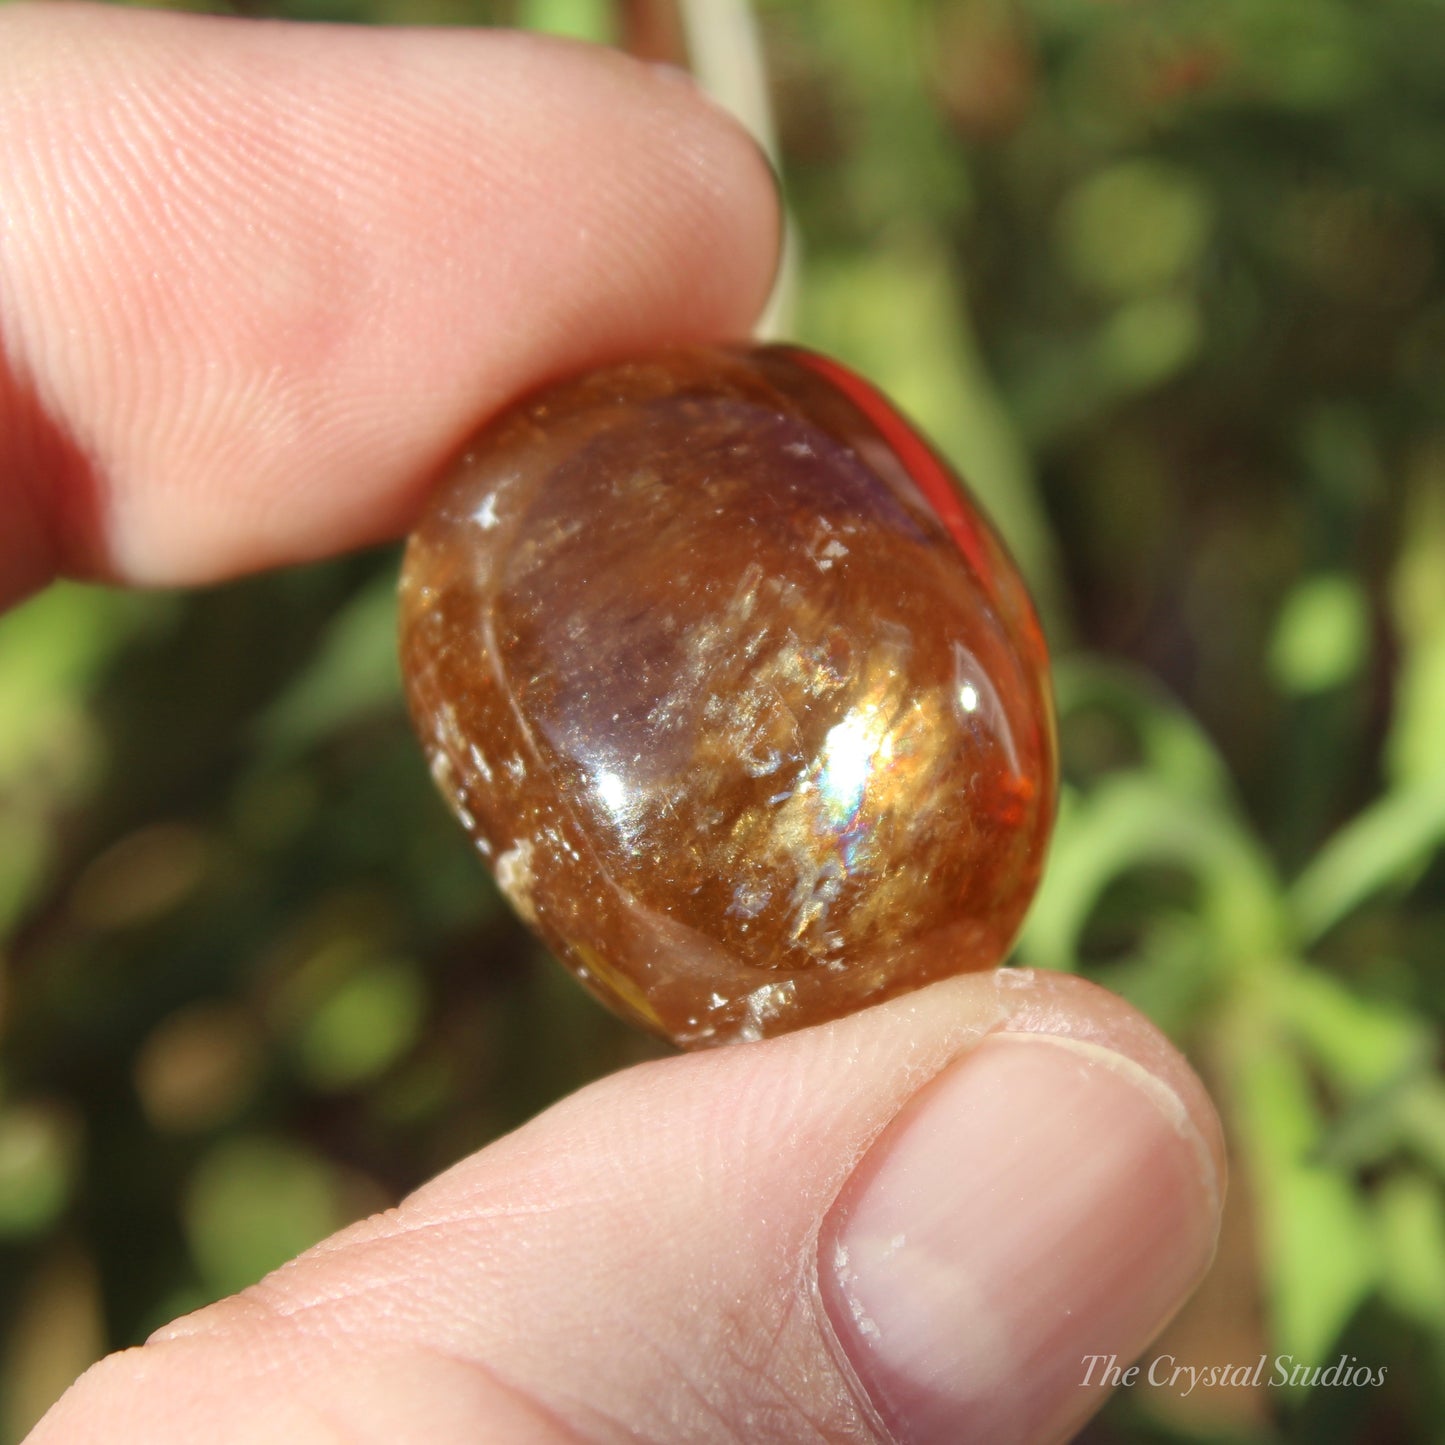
x: 681, y: 76
x: 1044, y: 1200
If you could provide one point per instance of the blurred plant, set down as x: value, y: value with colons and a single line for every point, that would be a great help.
x: 1166, y: 282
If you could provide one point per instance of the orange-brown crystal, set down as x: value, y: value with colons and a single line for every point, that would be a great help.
x: 735, y: 690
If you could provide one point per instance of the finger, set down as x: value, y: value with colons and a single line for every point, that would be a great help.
x: 257, y: 280
x: 917, y: 1220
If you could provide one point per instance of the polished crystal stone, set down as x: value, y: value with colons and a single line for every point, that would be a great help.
x: 735, y: 690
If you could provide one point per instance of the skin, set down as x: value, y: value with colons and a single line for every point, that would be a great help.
x: 256, y: 283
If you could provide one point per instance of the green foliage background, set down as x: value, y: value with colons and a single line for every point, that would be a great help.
x: 1168, y: 282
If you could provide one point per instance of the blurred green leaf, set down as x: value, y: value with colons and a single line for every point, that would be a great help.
x: 1170, y: 743
x: 577, y: 19
x: 23, y: 861
x: 1320, y: 1251
x: 1381, y: 848
x: 371, y: 1018
x: 1170, y: 977
x: 1411, y: 1220
x: 1321, y: 636
x: 38, y: 1149
x: 1310, y: 57
x: 1135, y: 226
x: 1421, y: 1122
x: 251, y: 1204
x: 354, y: 672
x: 1131, y: 820
x: 1322, y: 1259
x: 1417, y: 739
x: 1372, y: 1057
x: 1365, y: 1045
x: 1416, y: 748
x: 1146, y: 342
x: 52, y: 650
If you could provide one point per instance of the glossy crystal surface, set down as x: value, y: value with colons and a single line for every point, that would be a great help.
x: 734, y: 689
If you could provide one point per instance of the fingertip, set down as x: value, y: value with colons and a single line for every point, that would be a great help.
x: 288, y: 1386
x: 265, y: 278
x: 1049, y: 1198
x: 928, y: 1213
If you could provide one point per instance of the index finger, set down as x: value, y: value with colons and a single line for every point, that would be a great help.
x: 257, y: 280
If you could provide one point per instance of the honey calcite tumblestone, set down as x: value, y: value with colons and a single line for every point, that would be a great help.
x: 734, y: 689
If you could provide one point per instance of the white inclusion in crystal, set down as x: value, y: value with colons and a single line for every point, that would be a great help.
x: 749, y: 900
x: 612, y: 790
x: 968, y: 697
x: 444, y: 775
x: 479, y: 761
x: 762, y: 1004
x: 514, y: 877
x: 760, y: 767
x: 486, y: 515
x: 824, y: 547
x: 441, y: 771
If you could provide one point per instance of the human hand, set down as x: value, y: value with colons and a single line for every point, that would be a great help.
x: 256, y: 283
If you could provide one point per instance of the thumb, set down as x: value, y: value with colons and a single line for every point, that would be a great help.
x: 913, y: 1224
